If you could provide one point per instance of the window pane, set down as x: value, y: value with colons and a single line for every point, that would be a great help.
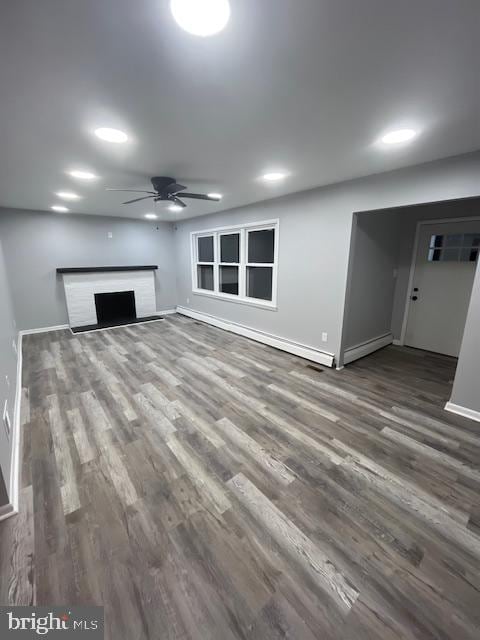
x: 205, y: 249
x: 230, y: 248
x: 469, y: 255
x: 454, y: 240
x: 259, y: 282
x: 451, y: 255
x: 229, y: 280
x: 436, y: 241
x: 205, y: 277
x: 434, y: 255
x: 472, y: 240
x: 261, y: 245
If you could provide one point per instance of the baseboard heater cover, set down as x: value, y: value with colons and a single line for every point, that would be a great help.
x: 471, y: 414
x: 366, y: 348
x: 6, y: 511
x: 303, y: 351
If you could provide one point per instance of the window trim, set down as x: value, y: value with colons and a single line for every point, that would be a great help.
x: 200, y: 263
x: 242, y: 229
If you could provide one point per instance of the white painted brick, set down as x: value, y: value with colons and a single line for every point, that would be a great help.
x: 80, y: 289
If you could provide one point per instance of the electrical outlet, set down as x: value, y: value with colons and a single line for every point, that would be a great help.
x: 6, y: 420
x: 110, y: 235
x: 324, y: 336
x: 14, y: 347
x: 7, y: 380
x: 188, y: 300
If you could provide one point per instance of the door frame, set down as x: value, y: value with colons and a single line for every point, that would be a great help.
x: 413, y: 262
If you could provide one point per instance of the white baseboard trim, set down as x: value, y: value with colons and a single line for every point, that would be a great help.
x: 11, y: 509
x: 58, y: 327
x: 365, y: 348
x: 304, y: 351
x: 463, y: 411
x: 398, y: 343
x: 167, y: 312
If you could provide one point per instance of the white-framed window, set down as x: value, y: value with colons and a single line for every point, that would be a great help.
x: 237, y: 263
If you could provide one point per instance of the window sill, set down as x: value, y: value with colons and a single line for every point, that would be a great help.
x: 269, y: 306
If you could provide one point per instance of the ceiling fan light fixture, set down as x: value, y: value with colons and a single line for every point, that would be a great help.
x: 201, y: 17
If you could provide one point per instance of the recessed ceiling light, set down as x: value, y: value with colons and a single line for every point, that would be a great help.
x: 217, y: 196
x: 111, y: 135
x: 398, y: 136
x: 59, y: 208
x: 201, y: 17
x: 274, y: 176
x: 82, y: 175
x: 151, y: 216
x: 175, y: 207
x: 67, y: 195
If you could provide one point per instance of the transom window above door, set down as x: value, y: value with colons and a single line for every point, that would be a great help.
x: 237, y: 263
x: 456, y: 247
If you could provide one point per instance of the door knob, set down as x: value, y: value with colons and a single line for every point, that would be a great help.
x: 414, y: 297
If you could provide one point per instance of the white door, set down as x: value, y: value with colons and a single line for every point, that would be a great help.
x: 445, y: 265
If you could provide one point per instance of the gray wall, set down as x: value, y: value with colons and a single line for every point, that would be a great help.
x: 466, y: 388
x: 36, y: 243
x: 314, y: 246
x: 371, y: 288
x: 8, y: 368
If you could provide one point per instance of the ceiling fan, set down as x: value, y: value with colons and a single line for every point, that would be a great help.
x: 167, y: 189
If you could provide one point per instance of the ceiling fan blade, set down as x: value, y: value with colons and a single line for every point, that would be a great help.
x: 177, y: 201
x: 199, y: 196
x: 131, y: 190
x: 138, y: 199
x: 172, y: 189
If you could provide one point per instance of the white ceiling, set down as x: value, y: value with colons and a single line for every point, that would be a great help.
x: 302, y: 85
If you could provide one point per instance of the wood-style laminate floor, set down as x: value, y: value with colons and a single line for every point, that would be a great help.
x: 200, y: 485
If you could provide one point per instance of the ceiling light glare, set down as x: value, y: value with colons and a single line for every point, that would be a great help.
x: 201, y: 17
x: 82, y: 175
x: 398, y: 136
x: 111, y: 135
x: 217, y: 196
x: 67, y: 195
x: 59, y: 208
x: 175, y: 208
x: 151, y: 216
x: 274, y: 176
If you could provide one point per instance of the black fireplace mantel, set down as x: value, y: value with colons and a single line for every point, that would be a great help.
x: 145, y: 267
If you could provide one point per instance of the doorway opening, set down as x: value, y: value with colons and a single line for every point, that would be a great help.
x: 411, y: 274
